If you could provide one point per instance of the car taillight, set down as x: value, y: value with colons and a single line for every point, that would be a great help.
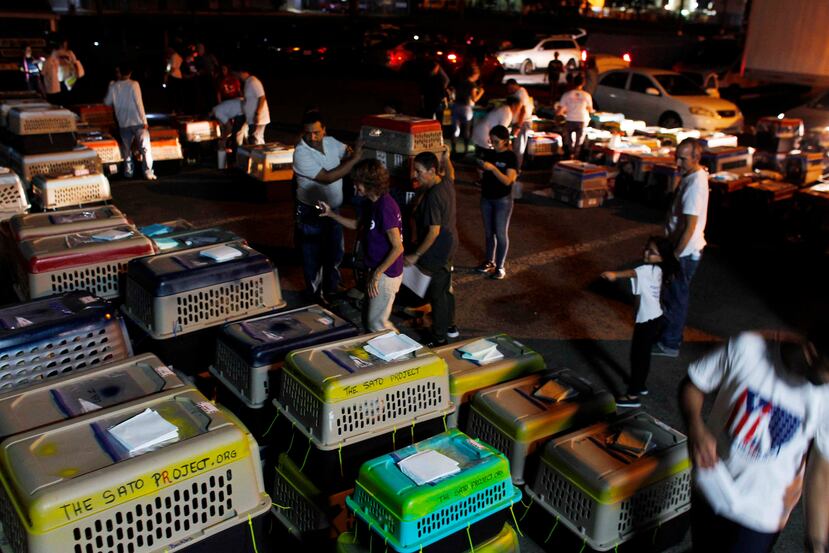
x: 584, y: 56
x: 322, y: 50
x: 626, y: 57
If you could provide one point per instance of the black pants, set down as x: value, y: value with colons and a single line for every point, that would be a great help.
x: 442, y: 299
x: 645, y: 336
x: 711, y: 532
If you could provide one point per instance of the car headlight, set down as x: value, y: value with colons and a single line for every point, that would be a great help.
x: 702, y: 111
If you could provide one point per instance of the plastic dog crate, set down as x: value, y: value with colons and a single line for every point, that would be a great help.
x: 180, y: 292
x: 724, y: 158
x: 604, y: 491
x: 778, y: 135
x: 544, y: 144
x: 70, y: 191
x: 579, y: 198
x: 249, y: 352
x: 804, y: 168
x: 164, y: 144
x: 579, y: 175
x: 73, y: 486
x: 639, y: 164
x: 267, y: 162
x: 40, y: 120
x: 398, y: 165
x: 718, y: 139
x: 188, y: 239
x: 92, y: 260
x: 301, y: 507
x: 104, y: 145
x: 12, y: 196
x: 338, y: 394
x: 79, y: 393
x: 506, y: 541
x: 95, y: 115
x: 53, y: 336
x: 199, y: 130
x: 516, y: 417
x: 673, y: 137
x: 38, y: 225
x: 467, y: 377
x: 401, y: 134
x: 768, y: 192
x: 59, y: 163
x: 23, y: 103
x: 410, y: 516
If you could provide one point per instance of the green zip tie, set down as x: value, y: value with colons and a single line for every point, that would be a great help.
x: 616, y: 548
x: 370, y: 539
x: 527, y: 506
x: 291, y: 443
x: 469, y: 536
x: 307, y: 451
x: 550, y: 535
x: 583, y: 545
x: 356, y: 529
x: 413, y: 423
x: 394, y: 438
x: 385, y: 544
x: 340, y: 455
x: 252, y: 535
x: 515, y: 521
x: 445, y: 428
x: 526, y: 510
x: 655, y: 530
x: 278, y: 506
x: 271, y: 425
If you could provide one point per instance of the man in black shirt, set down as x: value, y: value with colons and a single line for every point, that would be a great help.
x: 437, y: 240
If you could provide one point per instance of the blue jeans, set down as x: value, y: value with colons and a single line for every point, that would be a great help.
x: 140, y: 137
x: 675, y: 300
x: 322, y: 245
x: 496, y: 214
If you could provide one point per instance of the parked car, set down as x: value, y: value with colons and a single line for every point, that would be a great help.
x: 665, y: 98
x: 815, y: 113
x: 538, y: 56
x: 412, y: 56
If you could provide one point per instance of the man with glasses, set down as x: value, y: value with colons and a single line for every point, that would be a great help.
x: 767, y: 435
x: 685, y: 227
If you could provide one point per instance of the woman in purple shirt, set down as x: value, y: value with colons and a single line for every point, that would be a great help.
x: 382, y: 237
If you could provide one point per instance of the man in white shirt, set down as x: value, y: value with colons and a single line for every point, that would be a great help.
x: 124, y: 95
x: 255, y: 106
x: 577, y: 105
x: 768, y: 430
x: 522, y: 121
x: 686, y: 228
x: 499, y: 116
x: 320, y: 163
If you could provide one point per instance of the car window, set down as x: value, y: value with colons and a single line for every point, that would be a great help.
x: 678, y: 85
x: 548, y: 45
x: 640, y: 83
x: 615, y: 80
x: 563, y: 44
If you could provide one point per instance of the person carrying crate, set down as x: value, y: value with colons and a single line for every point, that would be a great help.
x: 124, y: 96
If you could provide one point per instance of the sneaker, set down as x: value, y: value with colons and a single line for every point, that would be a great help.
x: 664, y: 351
x: 628, y: 400
x: 485, y: 268
x: 453, y: 332
x: 150, y: 176
x: 498, y: 274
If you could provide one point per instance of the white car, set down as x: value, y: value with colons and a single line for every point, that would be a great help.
x: 665, y: 98
x: 539, y: 56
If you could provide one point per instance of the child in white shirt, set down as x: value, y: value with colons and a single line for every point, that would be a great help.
x: 647, y: 280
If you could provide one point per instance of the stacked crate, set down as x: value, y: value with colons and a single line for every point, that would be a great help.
x: 345, y: 406
x: 49, y: 337
x: 727, y: 158
x: 165, y: 144
x: 614, y: 481
x: 13, y: 200
x: 197, y: 489
x: 266, y: 162
x: 579, y: 184
x: 185, y: 291
x: 89, y: 260
x: 395, y: 140
x: 466, y: 375
x: 803, y: 168
x: 250, y: 354
x: 518, y: 416
x: 410, y: 511
x: 105, y: 146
